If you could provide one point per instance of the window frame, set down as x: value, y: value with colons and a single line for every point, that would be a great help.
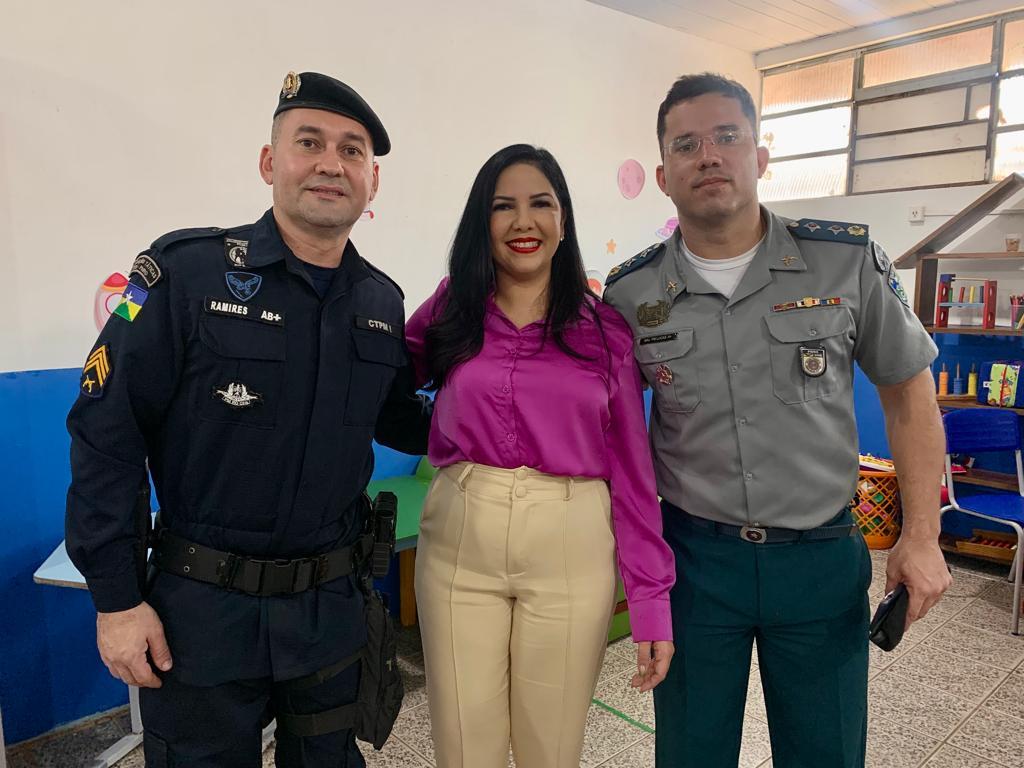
x: 966, y: 78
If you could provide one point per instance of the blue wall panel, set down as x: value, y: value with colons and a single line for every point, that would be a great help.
x: 50, y: 670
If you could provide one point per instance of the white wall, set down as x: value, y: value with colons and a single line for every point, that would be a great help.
x: 123, y: 120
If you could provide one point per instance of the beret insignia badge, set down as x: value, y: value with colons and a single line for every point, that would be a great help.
x: 292, y: 83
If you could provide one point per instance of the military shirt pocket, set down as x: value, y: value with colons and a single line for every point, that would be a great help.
x: 824, y: 329
x: 668, y: 362
x: 243, y: 367
x: 375, y: 361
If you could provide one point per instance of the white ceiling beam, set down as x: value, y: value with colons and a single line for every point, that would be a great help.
x: 967, y: 10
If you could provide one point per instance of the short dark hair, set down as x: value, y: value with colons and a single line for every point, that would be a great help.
x: 456, y: 332
x: 691, y: 86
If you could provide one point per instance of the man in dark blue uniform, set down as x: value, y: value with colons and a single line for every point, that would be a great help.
x: 250, y: 368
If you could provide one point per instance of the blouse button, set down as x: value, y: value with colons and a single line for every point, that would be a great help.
x: 511, y: 437
x: 506, y: 389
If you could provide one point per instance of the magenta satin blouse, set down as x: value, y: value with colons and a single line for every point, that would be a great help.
x: 523, y: 402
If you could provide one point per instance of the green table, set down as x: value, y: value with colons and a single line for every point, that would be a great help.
x: 411, y: 491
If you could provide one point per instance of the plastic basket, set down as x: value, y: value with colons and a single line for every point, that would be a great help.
x: 876, y: 508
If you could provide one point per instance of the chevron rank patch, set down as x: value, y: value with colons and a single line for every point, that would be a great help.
x: 96, y: 372
x: 131, y: 302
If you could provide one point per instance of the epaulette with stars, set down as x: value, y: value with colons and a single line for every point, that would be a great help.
x: 829, y: 231
x: 633, y: 262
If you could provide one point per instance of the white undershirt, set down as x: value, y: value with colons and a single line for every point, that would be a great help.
x: 722, y: 274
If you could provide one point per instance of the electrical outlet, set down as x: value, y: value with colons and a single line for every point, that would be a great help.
x: 916, y: 214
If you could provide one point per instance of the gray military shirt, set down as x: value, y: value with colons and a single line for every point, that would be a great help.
x: 747, y: 428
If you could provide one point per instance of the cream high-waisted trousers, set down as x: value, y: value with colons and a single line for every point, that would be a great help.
x: 515, y: 586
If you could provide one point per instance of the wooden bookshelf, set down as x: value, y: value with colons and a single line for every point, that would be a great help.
x: 947, y: 543
x: 975, y: 256
x: 987, y: 478
x: 976, y: 330
x: 956, y: 402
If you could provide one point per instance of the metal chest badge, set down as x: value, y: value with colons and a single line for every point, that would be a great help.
x: 243, y: 285
x: 813, y: 361
x: 653, y: 315
x: 663, y: 374
x: 237, y: 395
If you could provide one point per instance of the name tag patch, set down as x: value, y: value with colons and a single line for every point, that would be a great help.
x: 242, y: 311
x: 659, y: 338
x: 381, y: 326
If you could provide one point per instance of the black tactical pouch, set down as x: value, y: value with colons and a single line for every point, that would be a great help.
x: 379, y: 698
x: 380, y: 684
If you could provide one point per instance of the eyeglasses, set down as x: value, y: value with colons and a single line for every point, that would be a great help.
x: 688, y: 146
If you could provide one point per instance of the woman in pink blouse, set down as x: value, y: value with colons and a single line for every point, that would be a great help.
x: 545, y: 473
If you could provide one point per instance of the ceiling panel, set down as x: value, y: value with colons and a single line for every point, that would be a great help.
x: 757, y: 25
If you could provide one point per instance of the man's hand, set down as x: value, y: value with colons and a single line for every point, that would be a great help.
x: 123, y: 638
x: 918, y: 564
x: 652, y: 662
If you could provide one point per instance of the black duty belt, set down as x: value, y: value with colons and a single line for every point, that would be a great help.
x: 253, y: 576
x: 757, y: 534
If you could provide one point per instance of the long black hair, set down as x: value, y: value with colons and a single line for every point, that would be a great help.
x: 456, y: 332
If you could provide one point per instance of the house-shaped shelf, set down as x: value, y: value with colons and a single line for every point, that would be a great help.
x: 925, y: 256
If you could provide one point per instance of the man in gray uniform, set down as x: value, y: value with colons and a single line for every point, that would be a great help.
x: 747, y: 327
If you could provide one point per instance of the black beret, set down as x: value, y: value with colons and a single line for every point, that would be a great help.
x: 311, y: 90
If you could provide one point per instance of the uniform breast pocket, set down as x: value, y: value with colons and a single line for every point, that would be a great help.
x: 809, y: 348
x: 375, y: 360
x: 667, y: 359
x: 243, y: 366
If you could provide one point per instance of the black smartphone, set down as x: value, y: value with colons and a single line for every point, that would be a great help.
x: 890, y: 619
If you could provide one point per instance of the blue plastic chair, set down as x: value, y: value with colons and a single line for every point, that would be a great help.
x: 983, y: 430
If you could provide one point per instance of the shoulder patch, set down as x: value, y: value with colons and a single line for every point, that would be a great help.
x: 181, y: 235
x: 379, y: 274
x: 95, y: 373
x: 633, y: 263
x: 882, y: 262
x: 146, y: 268
x: 831, y: 231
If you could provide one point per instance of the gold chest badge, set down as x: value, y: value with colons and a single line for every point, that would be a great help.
x: 653, y: 315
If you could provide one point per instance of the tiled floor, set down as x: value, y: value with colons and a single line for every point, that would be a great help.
x: 951, y: 696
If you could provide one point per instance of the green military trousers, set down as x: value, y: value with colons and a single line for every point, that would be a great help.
x: 806, y: 605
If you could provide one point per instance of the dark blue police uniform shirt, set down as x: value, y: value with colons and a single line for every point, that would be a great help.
x: 254, y: 402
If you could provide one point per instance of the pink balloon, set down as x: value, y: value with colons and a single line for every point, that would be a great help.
x: 631, y: 179
x: 108, y: 296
